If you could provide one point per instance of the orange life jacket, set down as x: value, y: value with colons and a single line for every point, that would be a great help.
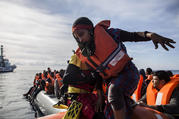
x: 42, y: 76
x: 36, y: 79
x: 104, y: 88
x: 176, y: 75
x: 49, y: 86
x: 149, y: 77
x: 52, y: 79
x: 137, y: 93
x: 109, y: 57
x: 162, y: 97
x: 46, y: 86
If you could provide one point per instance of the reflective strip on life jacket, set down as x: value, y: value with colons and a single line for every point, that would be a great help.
x: 36, y: 80
x: 159, y: 98
x: 114, y: 57
x: 134, y: 97
x: 76, y: 90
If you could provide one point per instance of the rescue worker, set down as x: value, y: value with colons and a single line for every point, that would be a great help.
x: 103, y: 50
x: 163, y: 94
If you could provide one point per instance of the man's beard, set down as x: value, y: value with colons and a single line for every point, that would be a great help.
x: 87, y: 48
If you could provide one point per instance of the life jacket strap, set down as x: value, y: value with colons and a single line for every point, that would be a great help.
x: 76, y: 90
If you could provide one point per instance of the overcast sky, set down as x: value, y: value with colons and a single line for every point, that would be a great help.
x: 38, y: 32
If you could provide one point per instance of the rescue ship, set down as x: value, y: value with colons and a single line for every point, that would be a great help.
x: 5, y: 65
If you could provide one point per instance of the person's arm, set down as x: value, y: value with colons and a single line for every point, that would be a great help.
x: 74, y: 75
x: 100, y: 101
x: 143, y: 99
x: 34, y: 81
x: 100, y: 93
x: 123, y: 36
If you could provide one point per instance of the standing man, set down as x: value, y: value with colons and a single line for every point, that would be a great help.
x: 102, y: 49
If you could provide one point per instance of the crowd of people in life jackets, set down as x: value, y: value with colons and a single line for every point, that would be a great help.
x: 50, y: 81
x: 101, y: 61
x: 158, y: 90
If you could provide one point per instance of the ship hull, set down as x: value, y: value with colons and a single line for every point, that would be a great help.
x: 7, y: 69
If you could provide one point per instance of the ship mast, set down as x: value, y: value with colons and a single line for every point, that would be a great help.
x: 2, y: 64
x: 1, y: 50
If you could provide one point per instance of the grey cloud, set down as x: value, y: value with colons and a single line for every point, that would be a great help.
x: 40, y: 32
x: 33, y: 36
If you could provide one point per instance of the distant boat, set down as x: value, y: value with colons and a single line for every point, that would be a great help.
x: 5, y: 65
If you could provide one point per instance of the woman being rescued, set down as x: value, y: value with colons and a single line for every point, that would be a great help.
x: 80, y: 82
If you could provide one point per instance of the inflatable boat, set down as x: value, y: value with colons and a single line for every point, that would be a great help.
x: 43, y: 103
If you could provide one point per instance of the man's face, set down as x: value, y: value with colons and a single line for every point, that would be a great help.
x: 158, y: 84
x: 155, y: 81
x: 82, y: 35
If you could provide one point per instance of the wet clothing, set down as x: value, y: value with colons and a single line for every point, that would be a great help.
x: 124, y: 85
x: 120, y: 88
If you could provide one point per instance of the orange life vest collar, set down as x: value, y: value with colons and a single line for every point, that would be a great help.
x: 149, y: 77
x: 109, y: 58
x: 163, y: 96
x: 176, y: 75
